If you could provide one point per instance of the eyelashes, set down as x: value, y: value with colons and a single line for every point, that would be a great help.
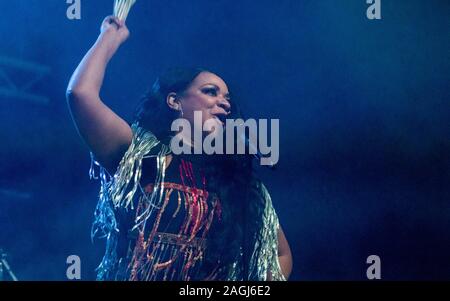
x: 213, y: 92
x: 210, y: 91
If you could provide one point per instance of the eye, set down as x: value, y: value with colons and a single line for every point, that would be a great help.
x: 210, y: 91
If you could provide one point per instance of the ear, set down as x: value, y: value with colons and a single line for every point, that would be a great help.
x: 173, y: 101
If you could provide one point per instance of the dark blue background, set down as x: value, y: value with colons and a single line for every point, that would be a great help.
x: 363, y: 108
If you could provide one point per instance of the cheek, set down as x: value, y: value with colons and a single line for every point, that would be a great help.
x: 204, y: 101
x: 200, y: 103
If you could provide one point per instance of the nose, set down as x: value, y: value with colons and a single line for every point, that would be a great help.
x: 225, y: 104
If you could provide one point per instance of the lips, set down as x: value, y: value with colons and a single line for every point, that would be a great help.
x: 220, y: 116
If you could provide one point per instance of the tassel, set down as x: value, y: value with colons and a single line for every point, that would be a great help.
x: 122, y: 8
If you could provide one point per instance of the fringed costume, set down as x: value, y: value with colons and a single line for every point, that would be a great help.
x: 156, y: 219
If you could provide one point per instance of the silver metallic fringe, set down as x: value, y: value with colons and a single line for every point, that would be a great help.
x: 119, y: 191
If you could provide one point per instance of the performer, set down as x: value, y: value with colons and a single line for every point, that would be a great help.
x: 167, y: 216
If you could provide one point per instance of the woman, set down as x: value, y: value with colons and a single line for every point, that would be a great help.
x: 166, y: 216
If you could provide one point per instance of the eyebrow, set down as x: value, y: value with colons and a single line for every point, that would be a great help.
x: 217, y: 87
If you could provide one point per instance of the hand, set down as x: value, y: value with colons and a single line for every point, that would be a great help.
x: 115, y: 28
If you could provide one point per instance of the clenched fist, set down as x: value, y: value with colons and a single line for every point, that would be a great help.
x: 115, y: 29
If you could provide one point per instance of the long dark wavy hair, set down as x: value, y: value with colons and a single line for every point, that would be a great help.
x: 231, y: 177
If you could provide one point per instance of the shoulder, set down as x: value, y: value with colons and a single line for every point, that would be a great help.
x: 259, y: 188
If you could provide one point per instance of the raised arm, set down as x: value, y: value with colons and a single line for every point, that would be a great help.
x: 106, y: 134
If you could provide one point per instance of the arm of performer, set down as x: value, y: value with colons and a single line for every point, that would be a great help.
x: 106, y: 134
x: 284, y: 254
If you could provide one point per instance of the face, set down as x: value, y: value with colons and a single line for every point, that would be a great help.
x: 209, y: 94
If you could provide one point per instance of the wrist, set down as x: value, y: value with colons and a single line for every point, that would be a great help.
x: 109, y: 41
